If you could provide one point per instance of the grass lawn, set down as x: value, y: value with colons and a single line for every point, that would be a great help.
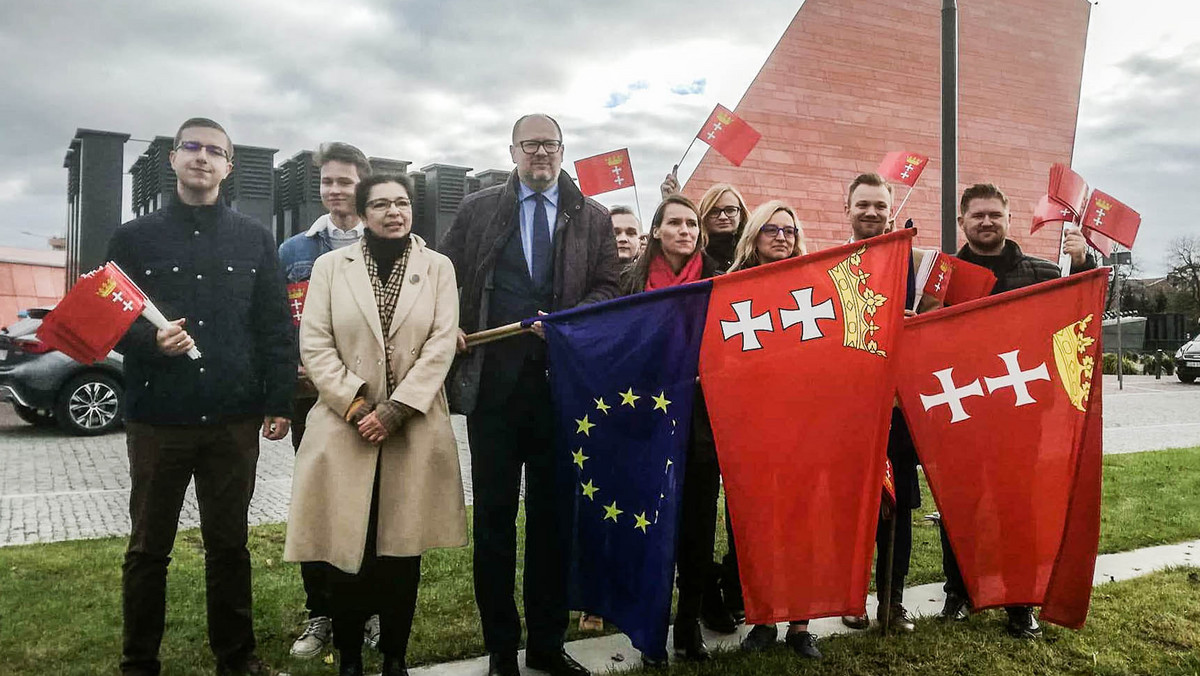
x: 60, y: 602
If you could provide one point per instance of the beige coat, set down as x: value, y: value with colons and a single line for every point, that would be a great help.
x: 342, y: 347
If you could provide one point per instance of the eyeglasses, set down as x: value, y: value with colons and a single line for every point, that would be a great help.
x: 730, y: 212
x: 383, y: 204
x: 194, y: 147
x: 769, y: 230
x: 531, y: 147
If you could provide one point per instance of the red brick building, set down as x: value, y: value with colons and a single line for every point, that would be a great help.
x: 851, y: 80
x: 29, y: 278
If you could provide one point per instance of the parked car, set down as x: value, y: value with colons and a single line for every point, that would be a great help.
x: 1187, y: 361
x: 47, y: 387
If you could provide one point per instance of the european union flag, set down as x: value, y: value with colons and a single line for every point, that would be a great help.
x: 623, y: 375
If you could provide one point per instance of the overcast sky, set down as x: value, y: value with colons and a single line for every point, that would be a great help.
x: 430, y: 81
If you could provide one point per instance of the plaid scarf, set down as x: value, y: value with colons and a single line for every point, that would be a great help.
x: 386, y: 296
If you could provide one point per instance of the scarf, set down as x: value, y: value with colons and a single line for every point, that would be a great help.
x: 661, y: 276
x: 387, y: 293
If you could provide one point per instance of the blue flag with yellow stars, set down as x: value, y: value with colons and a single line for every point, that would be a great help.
x: 623, y: 376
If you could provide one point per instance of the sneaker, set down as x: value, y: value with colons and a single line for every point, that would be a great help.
x: 318, y: 632
x: 371, y: 633
x: 803, y: 644
x: 590, y: 622
x: 1022, y: 623
x: 956, y: 609
x: 761, y: 637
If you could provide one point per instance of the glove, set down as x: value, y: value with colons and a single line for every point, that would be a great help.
x: 359, y: 409
x: 393, y: 414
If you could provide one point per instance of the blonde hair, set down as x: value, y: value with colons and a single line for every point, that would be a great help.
x: 709, y: 200
x: 746, y: 254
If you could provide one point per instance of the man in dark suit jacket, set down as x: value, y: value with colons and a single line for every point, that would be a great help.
x: 534, y: 244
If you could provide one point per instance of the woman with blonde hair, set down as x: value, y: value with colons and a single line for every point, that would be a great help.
x: 723, y: 216
x: 772, y: 233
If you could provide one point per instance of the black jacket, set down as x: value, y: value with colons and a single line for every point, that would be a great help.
x: 1014, y: 269
x: 220, y: 270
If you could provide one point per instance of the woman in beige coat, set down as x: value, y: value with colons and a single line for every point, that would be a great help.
x: 377, y: 479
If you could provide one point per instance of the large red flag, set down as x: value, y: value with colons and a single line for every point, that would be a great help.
x: 604, y: 172
x: 1111, y: 218
x: 729, y: 135
x: 902, y: 167
x: 87, y: 323
x: 797, y: 369
x: 1002, y: 398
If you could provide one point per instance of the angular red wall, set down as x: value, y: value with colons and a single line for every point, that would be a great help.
x: 851, y: 80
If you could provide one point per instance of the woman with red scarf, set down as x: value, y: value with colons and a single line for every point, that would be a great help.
x: 675, y: 255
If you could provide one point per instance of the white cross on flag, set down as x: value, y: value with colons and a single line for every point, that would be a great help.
x: 1002, y: 397
x: 604, y: 172
x: 296, y: 293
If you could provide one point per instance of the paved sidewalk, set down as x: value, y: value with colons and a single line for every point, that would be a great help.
x: 55, y: 487
x: 614, y: 653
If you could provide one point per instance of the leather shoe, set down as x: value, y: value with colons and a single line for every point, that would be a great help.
x: 689, y: 642
x: 1022, y: 623
x: 761, y: 637
x: 656, y: 663
x: 898, y: 619
x: 503, y: 664
x: 713, y: 612
x: 956, y: 609
x: 394, y: 666
x: 856, y: 621
x: 803, y: 644
x: 557, y: 663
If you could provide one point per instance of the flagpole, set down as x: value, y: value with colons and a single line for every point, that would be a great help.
x: 903, y: 202
x: 637, y: 202
x: 498, y: 333
x: 685, y: 154
x: 1064, y: 259
x: 885, y: 597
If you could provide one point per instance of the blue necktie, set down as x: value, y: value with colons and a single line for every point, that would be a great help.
x: 541, y: 240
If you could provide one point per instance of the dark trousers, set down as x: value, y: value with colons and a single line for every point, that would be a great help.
x: 162, y: 460
x: 954, y: 579
x: 731, y: 583
x: 314, y: 574
x: 698, y: 517
x: 908, y: 497
x: 385, y: 582
x: 504, y: 436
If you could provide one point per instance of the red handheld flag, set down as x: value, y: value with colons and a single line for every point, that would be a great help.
x: 297, y: 292
x: 87, y: 323
x: 969, y: 282
x: 889, y: 483
x: 1098, y: 241
x: 903, y: 167
x: 941, y: 275
x: 1006, y: 425
x: 1049, y: 211
x: 729, y: 135
x: 797, y: 368
x: 1111, y: 218
x: 605, y: 172
x: 1067, y: 188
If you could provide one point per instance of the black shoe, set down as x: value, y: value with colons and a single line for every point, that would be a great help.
x: 956, y: 609
x: 556, y: 664
x: 761, y: 637
x: 804, y: 644
x: 503, y: 664
x: 856, y: 621
x: 689, y: 642
x: 731, y: 591
x: 394, y: 666
x: 713, y: 613
x: 252, y: 666
x: 655, y: 663
x: 1022, y: 623
x: 898, y: 619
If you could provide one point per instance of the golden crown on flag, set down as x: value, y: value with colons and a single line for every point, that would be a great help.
x: 1104, y: 204
x: 859, y: 303
x: 914, y: 160
x: 725, y: 118
x: 614, y: 160
x: 1070, y: 344
x: 107, y: 287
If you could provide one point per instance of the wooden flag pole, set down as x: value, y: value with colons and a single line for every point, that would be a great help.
x: 685, y: 154
x: 637, y: 202
x: 498, y: 333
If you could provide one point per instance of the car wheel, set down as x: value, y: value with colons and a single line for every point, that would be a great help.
x: 34, y: 416
x: 1185, y: 379
x: 89, y: 404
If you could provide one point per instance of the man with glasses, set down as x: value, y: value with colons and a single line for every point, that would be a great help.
x: 531, y: 245
x: 217, y: 271
x: 342, y: 166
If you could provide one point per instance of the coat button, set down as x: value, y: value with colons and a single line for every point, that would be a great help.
x: 414, y: 279
x: 230, y: 268
x: 147, y: 272
x: 202, y: 369
x: 147, y: 383
x: 413, y: 351
x: 175, y: 269
x: 201, y: 323
x: 203, y: 418
x: 195, y: 233
x: 199, y: 276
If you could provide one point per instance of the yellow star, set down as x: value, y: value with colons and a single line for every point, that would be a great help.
x: 578, y: 457
x: 628, y: 397
x: 661, y: 401
x: 642, y: 522
x: 611, y: 511
x: 601, y: 406
x: 584, y: 426
x: 589, y: 490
